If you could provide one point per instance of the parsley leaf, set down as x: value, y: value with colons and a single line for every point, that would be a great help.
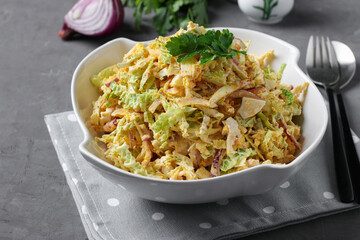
x: 210, y: 45
x: 138, y: 15
x: 169, y: 13
x: 289, y: 96
x: 199, y: 12
x: 162, y: 20
x: 185, y: 43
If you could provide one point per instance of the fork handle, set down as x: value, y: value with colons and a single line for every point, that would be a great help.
x: 340, y: 158
x: 349, y: 147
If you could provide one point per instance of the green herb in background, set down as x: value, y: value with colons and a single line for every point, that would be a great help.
x: 209, y: 45
x: 169, y: 14
x: 288, y: 95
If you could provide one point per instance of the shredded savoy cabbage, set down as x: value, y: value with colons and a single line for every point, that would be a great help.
x: 190, y: 118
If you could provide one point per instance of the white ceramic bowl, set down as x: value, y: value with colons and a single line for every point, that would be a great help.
x: 251, y: 181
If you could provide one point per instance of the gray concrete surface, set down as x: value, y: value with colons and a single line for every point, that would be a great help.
x: 35, y: 74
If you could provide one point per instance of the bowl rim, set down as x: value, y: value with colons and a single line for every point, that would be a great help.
x: 294, y: 58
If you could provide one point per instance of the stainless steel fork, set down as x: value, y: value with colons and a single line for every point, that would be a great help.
x: 323, y: 69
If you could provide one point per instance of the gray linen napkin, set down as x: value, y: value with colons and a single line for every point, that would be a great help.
x: 111, y: 212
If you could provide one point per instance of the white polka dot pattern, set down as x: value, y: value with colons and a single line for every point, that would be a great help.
x: 84, y: 209
x: 205, y: 225
x: 74, y: 180
x: 157, y: 216
x: 113, y: 202
x: 71, y: 117
x: 285, y: 184
x: 328, y: 195
x: 64, y: 166
x: 269, y: 209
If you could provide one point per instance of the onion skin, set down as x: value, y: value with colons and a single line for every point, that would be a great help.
x: 65, y: 33
x: 92, y: 18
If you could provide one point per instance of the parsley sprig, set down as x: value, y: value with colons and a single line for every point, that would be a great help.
x: 169, y: 14
x: 210, y: 45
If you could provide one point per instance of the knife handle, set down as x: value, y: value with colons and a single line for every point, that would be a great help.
x: 349, y: 147
x: 343, y: 178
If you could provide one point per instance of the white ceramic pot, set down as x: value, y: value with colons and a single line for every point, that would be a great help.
x: 266, y: 11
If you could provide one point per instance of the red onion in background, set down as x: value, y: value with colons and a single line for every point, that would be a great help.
x: 93, y: 18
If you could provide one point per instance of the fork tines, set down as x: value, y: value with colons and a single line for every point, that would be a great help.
x: 322, y: 52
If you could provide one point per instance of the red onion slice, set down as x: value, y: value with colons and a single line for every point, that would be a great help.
x: 109, y: 83
x: 111, y: 125
x: 147, y: 138
x: 235, y: 61
x: 257, y: 88
x: 238, y: 44
x: 215, y: 166
x: 244, y: 93
x: 131, y: 140
x: 292, y: 139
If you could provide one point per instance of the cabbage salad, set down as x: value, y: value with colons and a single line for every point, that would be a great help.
x: 196, y: 105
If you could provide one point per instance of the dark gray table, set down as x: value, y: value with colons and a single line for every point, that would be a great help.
x: 35, y: 75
